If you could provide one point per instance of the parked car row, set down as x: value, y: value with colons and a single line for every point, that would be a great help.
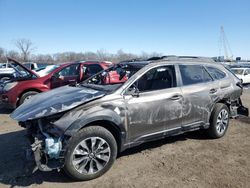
x: 27, y: 83
x: 81, y: 128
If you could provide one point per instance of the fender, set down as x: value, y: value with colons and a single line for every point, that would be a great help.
x: 75, y: 120
x: 72, y: 122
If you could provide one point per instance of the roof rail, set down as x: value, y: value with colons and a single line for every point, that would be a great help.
x: 173, y: 57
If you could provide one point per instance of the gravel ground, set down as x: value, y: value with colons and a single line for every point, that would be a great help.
x: 189, y: 160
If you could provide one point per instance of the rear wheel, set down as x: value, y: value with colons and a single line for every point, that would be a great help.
x: 91, y: 153
x: 26, y: 96
x: 219, y: 121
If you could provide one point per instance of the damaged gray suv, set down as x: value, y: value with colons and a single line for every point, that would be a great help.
x: 81, y: 128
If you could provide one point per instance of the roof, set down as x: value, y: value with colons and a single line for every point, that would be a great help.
x: 159, y: 60
x: 94, y: 61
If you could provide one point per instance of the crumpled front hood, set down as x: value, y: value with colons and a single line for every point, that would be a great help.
x: 55, y: 101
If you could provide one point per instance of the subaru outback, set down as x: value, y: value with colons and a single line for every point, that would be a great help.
x: 82, y: 128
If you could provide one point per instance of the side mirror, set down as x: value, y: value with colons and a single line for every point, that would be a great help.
x: 134, y: 91
x: 246, y: 73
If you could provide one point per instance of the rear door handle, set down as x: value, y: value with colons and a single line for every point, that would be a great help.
x: 212, y: 91
x: 176, y: 97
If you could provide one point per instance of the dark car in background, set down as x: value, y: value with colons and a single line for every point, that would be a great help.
x: 27, y: 83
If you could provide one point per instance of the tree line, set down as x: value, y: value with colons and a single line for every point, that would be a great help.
x: 26, y: 48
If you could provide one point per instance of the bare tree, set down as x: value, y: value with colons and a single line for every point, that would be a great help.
x: 26, y: 47
x: 13, y: 54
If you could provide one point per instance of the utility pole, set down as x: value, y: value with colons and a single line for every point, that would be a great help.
x: 228, y: 55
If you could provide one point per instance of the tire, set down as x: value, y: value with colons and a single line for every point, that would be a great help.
x: 82, y: 153
x: 219, y: 121
x: 26, y: 96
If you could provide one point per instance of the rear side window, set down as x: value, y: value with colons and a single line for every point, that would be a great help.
x: 93, y: 68
x: 216, y: 73
x: 194, y: 74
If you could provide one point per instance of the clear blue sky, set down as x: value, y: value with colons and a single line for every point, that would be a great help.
x: 181, y: 27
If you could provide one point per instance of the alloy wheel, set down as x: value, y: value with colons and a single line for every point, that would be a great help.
x: 91, y: 155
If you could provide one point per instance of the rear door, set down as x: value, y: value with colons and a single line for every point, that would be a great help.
x: 197, y: 89
x: 90, y: 70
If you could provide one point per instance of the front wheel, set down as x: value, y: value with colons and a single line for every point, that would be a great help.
x: 26, y: 96
x: 90, y: 153
x: 219, y: 121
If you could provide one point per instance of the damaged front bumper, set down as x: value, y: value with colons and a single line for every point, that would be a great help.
x: 46, y: 146
x: 44, y: 161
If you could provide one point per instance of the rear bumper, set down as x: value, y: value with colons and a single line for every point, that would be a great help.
x: 242, y: 110
x: 237, y: 109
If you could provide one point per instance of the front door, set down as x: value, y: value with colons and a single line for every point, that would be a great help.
x: 68, y: 75
x: 156, y: 107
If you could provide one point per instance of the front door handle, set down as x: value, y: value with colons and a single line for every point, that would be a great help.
x: 212, y: 91
x: 176, y: 97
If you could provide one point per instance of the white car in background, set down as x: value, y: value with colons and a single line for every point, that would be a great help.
x: 6, y: 68
x: 6, y: 71
x: 242, y: 73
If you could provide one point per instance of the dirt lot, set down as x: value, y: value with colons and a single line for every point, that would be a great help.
x: 189, y: 160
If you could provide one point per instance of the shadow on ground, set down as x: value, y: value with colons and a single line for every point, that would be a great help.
x: 196, y: 135
x: 15, y: 170
x: 4, y: 110
x: 244, y: 119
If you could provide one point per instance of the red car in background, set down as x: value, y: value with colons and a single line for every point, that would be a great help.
x: 27, y: 83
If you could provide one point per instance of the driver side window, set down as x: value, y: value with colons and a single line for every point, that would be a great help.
x: 158, y: 78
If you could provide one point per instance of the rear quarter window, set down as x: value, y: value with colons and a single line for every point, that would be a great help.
x: 216, y: 73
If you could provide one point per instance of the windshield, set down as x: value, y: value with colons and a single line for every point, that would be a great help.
x: 238, y: 71
x: 111, y: 79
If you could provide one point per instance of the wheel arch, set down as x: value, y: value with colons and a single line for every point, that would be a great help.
x: 111, y: 127
x: 25, y: 91
x: 112, y: 124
